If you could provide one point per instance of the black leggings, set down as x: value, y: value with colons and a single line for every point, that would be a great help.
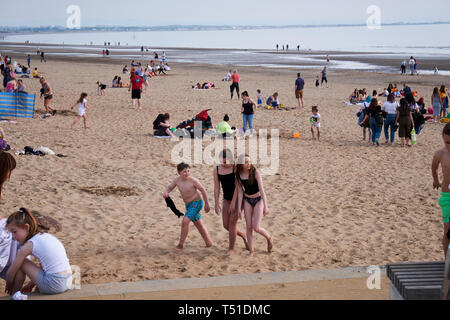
x: 324, y: 79
x: 234, y: 85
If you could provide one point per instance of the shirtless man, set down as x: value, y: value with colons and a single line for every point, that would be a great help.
x: 189, y: 188
x: 442, y: 157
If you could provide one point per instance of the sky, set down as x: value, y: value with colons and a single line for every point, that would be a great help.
x: 221, y: 12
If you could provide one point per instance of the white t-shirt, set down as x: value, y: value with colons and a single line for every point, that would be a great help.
x: 315, y: 119
x: 411, y: 62
x: 82, y: 108
x: 390, y: 107
x: 50, y: 252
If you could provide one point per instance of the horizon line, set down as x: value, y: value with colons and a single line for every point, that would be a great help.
x: 224, y: 26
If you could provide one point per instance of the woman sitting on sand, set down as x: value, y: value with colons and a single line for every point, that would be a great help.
x: 161, y: 126
x: 362, y: 95
x: 11, y: 86
x: 354, y: 96
x: 114, y: 82
x: 273, y: 100
x: 125, y: 69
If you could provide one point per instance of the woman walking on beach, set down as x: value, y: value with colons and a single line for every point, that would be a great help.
x: 375, y: 120
x: 248, y: 111
x: 251, y: 189
x: 224, y: 176
x: 390, y: 107
x: 405, y: 122
x: 47, y: 92
x: 437, y: 105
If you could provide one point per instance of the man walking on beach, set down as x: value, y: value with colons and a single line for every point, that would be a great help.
x: 136, y: 88
x: 403, y: 67
x: 42, y: 56
x: 235, y: 84
x: 299, y: 85
x: 324, y: 77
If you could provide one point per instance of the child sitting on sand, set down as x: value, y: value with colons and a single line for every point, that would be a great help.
x: 82, y: 106
x: 273, y: 101
x: 189, y: 188
x: 315, y: 122
x: 54, y: 275
x: 442, y: 157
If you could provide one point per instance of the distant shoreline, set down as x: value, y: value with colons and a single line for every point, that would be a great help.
x: 381, y: 62
x: 61, y: 29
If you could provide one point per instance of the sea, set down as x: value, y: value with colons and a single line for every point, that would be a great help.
x: 257, y: 47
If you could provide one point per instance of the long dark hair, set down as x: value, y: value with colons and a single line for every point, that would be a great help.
x: 403, y: 105
x: 7, y: 165
x: 373, y: 104
x: 240, y: 167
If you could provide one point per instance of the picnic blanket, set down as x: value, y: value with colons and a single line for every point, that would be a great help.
x: 18, y: 105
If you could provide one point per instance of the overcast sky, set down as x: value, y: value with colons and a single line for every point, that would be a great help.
x: 219, y: 12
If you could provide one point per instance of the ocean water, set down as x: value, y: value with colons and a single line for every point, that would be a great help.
x: 405, y: 39
x: 257, y: 47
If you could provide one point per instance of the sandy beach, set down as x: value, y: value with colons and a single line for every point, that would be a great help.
x: 335, y: 203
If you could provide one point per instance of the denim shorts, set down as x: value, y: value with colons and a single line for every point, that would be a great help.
x: 53, y: 283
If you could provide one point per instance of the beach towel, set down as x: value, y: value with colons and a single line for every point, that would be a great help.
x: 18, y: 105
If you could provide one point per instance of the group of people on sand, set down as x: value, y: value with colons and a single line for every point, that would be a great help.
x: 412, y: 62
x: 24, y: 234
x: 406, y: 116
x: 242, y: 189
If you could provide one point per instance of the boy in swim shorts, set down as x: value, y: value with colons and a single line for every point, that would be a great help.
x: 442, y: 157
x: 189, y: 188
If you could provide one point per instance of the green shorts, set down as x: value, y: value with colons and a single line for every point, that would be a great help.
x: 444, y: 202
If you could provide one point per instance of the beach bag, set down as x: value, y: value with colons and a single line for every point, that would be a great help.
x: 4, y: 145
x: 379, y: 119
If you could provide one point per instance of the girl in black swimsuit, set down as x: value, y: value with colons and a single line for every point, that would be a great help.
x: 224, y: 175
x: 252, y: 190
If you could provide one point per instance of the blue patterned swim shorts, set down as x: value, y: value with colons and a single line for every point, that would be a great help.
x: 193, y: 210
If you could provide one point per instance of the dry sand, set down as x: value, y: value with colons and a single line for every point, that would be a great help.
x: 335, y: 203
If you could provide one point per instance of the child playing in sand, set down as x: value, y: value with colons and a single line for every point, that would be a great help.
x: 442, y: 156
x: 54, y: 275
x: 82, y: 106
x: 259, y: 96
x: 315, y: 122
x: 317, y: 82
x: 189, y: 188
x: 101, y: 88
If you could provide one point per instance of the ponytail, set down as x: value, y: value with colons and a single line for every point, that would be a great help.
x: 21, y: 218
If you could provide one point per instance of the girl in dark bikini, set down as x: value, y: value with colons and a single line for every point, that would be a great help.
x: 255, y: 201
x: 224, y: 175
